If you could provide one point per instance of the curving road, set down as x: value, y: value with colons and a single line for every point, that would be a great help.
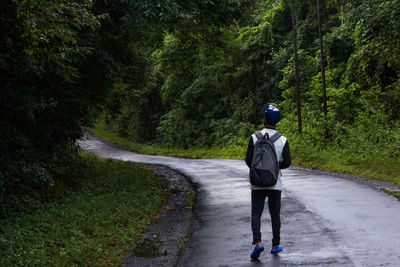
x: 326, y: 220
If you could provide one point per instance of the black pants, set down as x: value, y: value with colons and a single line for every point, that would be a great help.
x: 257, y: 207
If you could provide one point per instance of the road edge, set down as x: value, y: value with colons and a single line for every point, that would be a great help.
x: 165, y: 239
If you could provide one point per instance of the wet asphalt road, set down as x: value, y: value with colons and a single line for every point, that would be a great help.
x: 326, y: 220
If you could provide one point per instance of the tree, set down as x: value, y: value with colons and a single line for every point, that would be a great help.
x: 298, y: 92
x: 52, y: 80
x: 321, y: 45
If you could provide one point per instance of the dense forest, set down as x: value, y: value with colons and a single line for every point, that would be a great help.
x: 190, y: 74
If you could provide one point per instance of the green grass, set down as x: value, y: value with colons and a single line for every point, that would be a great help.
x: 93, y: 224
x: 236, y: 152
x: 191, y: 197
x: 341, y: 161
x: 335, y: 160
x: 182, y: 241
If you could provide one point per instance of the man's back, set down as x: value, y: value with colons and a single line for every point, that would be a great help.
x: 281, y: 149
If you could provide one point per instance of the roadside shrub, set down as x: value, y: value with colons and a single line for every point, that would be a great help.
x: 34, y: 178
x: 228, y: 132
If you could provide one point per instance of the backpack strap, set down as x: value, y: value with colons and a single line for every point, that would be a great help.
x: 275, y: 137
x: 259, y: 135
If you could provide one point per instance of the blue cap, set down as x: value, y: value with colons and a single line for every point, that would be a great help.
x: 272, y: 113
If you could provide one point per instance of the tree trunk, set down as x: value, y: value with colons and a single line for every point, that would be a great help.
x: 298, y: 102
x: 342, y: 13
x: 325, y: 108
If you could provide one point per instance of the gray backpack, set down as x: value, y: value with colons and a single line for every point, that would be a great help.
x: 264, y: 168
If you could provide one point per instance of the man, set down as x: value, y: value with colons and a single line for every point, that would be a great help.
x: 258, y: 194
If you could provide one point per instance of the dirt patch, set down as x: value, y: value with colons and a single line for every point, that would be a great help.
x: 165, y: 238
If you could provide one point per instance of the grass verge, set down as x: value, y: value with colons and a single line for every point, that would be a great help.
x: 379, y: 168
x: 236, y: 152
x: 93, y: 224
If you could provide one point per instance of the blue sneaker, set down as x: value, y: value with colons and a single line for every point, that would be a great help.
x: 276, y: 250
x: 256, y: 252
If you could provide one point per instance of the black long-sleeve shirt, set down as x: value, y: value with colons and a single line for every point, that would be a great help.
x: 285, y: 155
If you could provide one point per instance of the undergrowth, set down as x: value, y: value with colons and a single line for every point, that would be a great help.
x: 94, y: 223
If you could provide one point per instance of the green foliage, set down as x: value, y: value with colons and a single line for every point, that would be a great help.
x: 176, y: 92
x: 37, y: 178
x: 201, y: 11
x: 50, y: 90
x: 229, y: 133
x: 95, y: 223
